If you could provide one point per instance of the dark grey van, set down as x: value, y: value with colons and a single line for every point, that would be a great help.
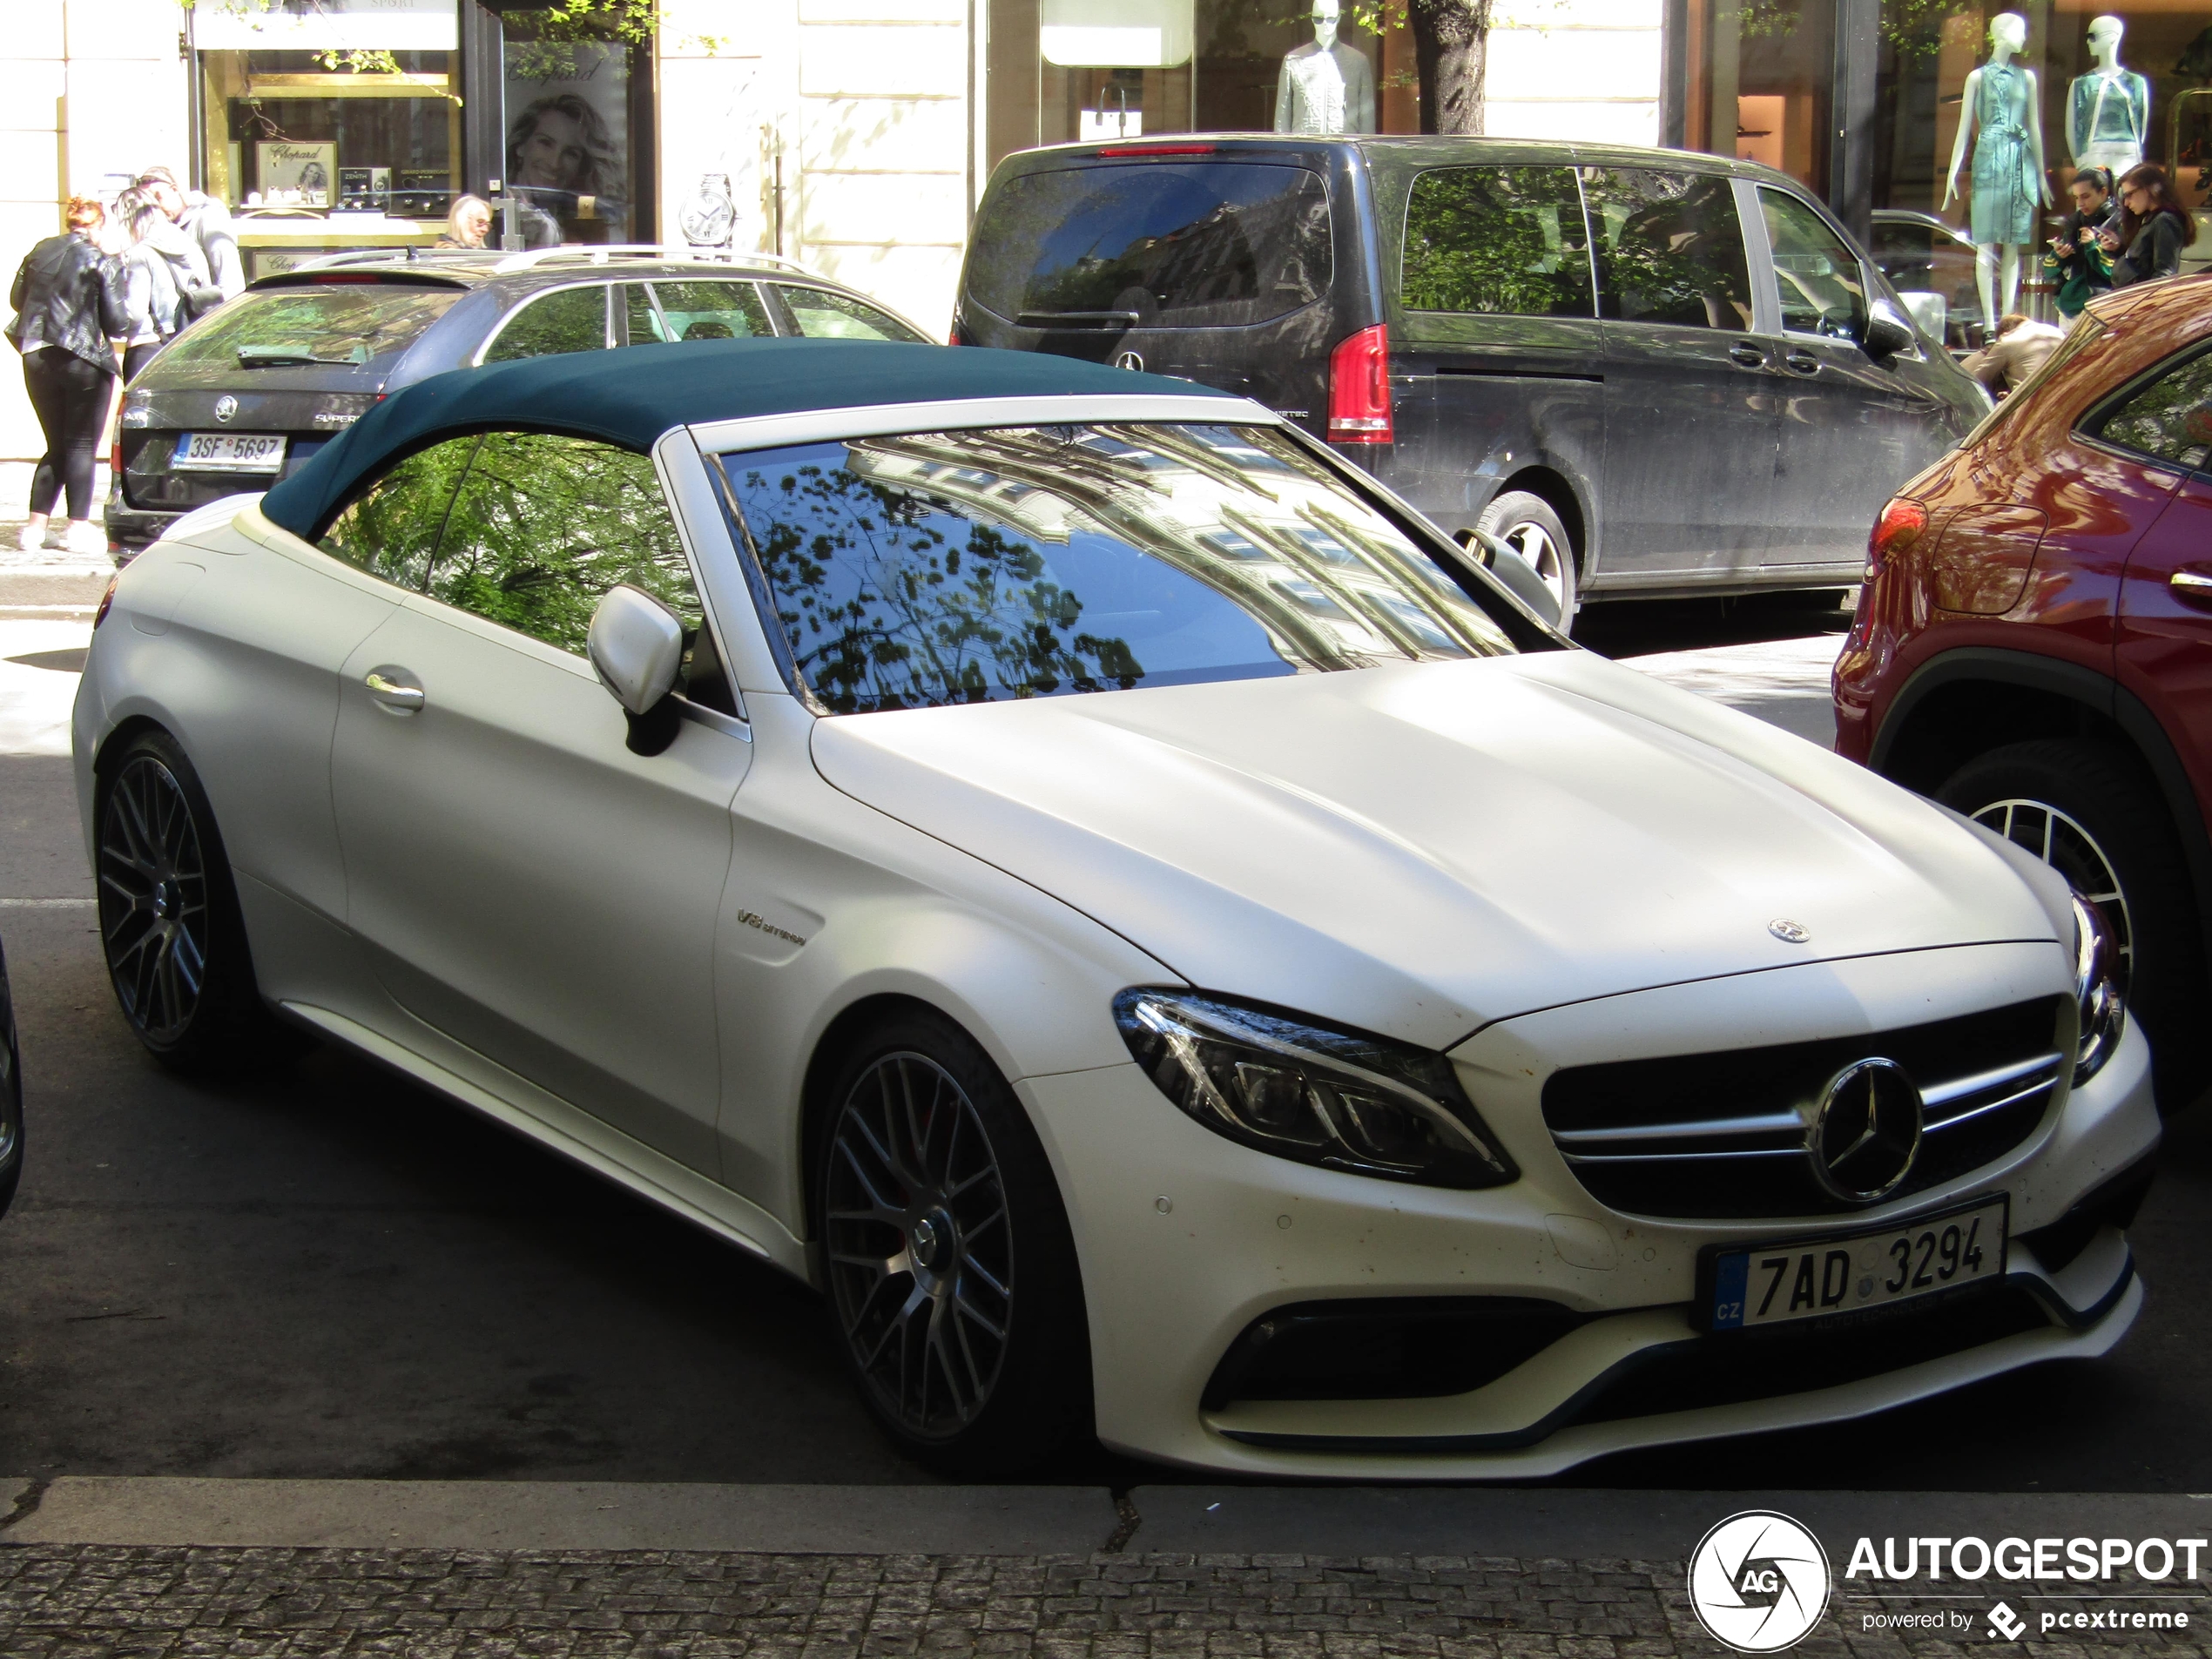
x: 1651, y: 372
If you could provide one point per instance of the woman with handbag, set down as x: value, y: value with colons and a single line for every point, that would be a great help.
x: 69, y: 301
x: 160, y: 267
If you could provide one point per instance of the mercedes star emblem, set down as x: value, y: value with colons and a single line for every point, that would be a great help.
x: 1865, y: 1132
x: 226, y: 407
x: 1131, y: 361
x: 1790, y: 932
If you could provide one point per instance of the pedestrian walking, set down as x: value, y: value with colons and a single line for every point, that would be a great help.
x: 161, y: 265
x: 2080, y: 267
x: 208, y: 223
x: 2018, y: 350
x: 69, y: 302
x: 2151, y: 230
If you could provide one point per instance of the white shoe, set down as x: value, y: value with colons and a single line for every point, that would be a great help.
x: 31, y: 541
x: 85, y: 537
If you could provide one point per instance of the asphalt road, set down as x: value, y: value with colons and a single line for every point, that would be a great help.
x: 327, y: 1272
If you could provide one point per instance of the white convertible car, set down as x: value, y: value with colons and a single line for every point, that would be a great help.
x: 1162, y: 940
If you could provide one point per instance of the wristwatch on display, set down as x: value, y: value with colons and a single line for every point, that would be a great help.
x: 708, y: 215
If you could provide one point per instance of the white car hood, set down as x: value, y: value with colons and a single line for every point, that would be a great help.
x: 1422, y: 850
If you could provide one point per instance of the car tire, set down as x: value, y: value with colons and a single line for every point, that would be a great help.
x: 170, y: 927
x: 2091, y: 812
x: 954, y: 1293
x: 1526, y: 523
x: 10, y: 1096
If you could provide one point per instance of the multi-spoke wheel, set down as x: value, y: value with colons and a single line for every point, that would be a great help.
x: 168, y: 924
x: 2091, y: 813
x: 951, y: 1272
x: 1527, y: 525
x: 153, y: 899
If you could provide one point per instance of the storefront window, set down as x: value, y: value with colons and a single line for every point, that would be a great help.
x: 1082, y: 71
x: 1762, y: 83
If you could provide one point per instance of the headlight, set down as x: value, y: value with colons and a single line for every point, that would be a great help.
x: 2104, y: 1010
x: 1335, y: 1098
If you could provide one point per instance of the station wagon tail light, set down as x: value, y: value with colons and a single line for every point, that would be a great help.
x: 1359, y: 388
x: 107, y: 601
x: 1899, y: 526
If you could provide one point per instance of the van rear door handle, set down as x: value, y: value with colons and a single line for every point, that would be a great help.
x: 395, y: 689
x: 1749, y: 356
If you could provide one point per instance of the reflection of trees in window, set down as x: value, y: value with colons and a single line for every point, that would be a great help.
x: 961, y: 567
x: 2171, y: 418
x: 543, y: 526
x: 1669, y: 248
x: 1497, y: 239
x: 391, y: 530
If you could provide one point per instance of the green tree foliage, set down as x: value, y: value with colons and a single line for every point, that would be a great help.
x: 1499, y: 239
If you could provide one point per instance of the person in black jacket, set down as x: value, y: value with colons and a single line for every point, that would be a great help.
x: 2153, y: 228
x: 70, y: 302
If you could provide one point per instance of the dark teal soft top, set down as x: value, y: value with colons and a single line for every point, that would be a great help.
x: 631, y: 397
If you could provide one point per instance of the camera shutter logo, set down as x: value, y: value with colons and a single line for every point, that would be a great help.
x: 1759, y: 1581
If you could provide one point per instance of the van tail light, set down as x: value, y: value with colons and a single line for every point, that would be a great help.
x: 1898, y: 529
x: 107, y: 600
x: 115, y: 460
x: 959, y: 336
x: 1359, y: 388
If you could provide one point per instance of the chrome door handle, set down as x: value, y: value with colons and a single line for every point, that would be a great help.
x: 1804, y: 362
x: 2192, y: 586
x: 1749, y: 356
x: 390, y: 687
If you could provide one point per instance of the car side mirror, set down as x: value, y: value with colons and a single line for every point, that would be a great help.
x: 1515, y: 573
x: 637, y: 648
x: 1887, y: 333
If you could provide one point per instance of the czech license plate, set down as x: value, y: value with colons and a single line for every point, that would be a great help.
x: 1811, y: 1278
x: 227, y: 452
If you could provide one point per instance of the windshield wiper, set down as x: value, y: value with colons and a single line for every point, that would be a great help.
x: 296, y: 357
x: 1078, y: 319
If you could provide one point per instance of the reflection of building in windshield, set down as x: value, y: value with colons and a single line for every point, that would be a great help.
x: 1334, y: 585
x: 1274, y: 249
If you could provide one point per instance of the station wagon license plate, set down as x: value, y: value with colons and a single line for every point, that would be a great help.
x: 1811, y: 1278
x: 227, y: 452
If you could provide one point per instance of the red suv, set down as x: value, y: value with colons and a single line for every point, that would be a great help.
x: 2034, y: 641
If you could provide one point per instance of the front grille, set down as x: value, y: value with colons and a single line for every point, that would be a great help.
x: 1714, y: 1135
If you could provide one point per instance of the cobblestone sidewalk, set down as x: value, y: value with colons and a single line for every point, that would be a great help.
x: 60, y: 1601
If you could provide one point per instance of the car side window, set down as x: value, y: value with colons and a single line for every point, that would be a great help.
x: 390, y: 529
x: 819, y: 315
x: 544, y: 525
x: 1669, y: 248
x: 2169, y: 419
x: 1823, y: 292
x: 565, y: 320
x: 1502, y: 240
x: 710, y: 311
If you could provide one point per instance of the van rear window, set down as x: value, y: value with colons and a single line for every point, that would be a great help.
x: 1199, y: 245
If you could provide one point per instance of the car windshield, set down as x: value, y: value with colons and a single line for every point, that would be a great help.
x: 343, y: 325
x: 970, y: 567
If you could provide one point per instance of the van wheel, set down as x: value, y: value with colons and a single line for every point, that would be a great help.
x: 953, y: 1285
x: 2089, y: 812
x: 1527, y: 525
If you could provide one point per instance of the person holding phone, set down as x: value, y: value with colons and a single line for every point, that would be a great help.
x: 2081, y: 268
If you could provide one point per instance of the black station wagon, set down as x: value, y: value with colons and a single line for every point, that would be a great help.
x: 1648, y: 372
x: 245, y: 397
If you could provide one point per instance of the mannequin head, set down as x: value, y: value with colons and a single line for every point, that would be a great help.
x: 1325, y: 13
x: 2008, y: 35
x: 2104, y: 39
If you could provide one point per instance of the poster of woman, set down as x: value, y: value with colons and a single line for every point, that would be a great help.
x: 567, y: 116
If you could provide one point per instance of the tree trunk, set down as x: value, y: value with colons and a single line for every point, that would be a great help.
x: 1452, y: 51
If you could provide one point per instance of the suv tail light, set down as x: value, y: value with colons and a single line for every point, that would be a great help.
x: 1899, y: 526
x: 1359, y: 388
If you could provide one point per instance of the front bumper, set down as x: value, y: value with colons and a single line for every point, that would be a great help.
x: 1186, y: 1239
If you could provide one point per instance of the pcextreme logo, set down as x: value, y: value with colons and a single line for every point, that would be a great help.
x: 1759, y: 1582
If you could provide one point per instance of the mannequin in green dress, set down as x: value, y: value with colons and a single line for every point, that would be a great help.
x: 2002, y: 116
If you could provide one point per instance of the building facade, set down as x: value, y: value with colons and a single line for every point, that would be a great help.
x: 855, y: 136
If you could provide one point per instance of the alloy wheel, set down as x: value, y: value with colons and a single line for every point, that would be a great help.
x: 153, y: 898
x: 2060, y: 841
x: 1541, y: 554
x: 920, y: 1244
